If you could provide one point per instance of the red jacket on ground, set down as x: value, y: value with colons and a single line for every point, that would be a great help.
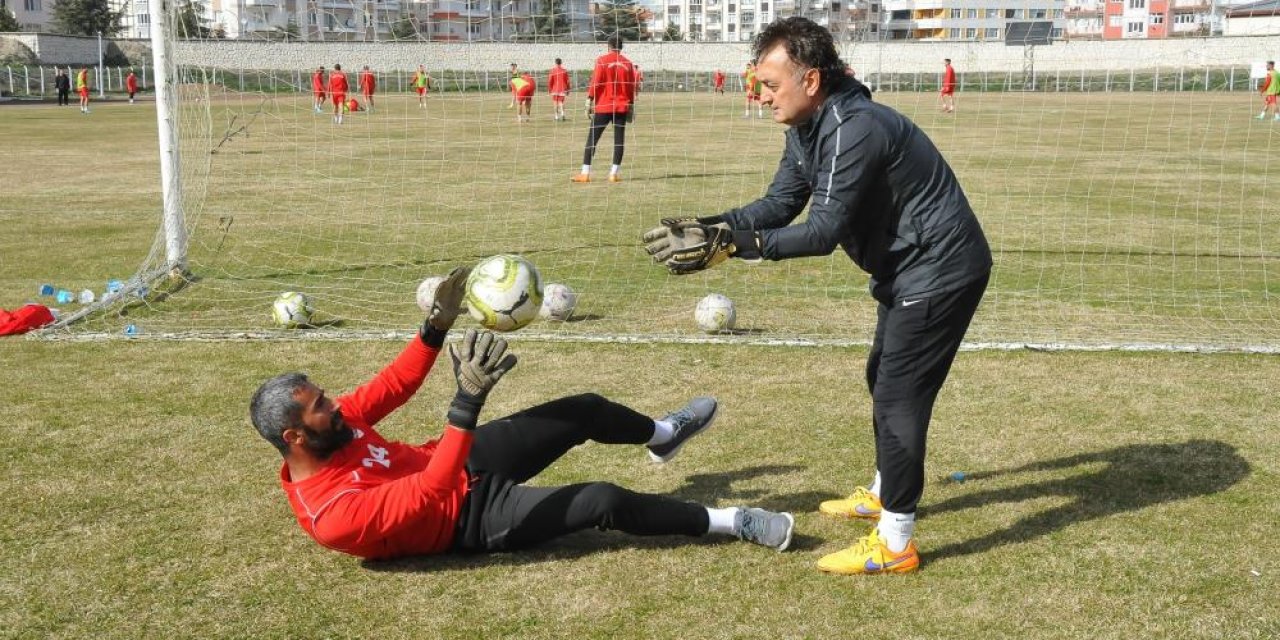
x: 381, y: 499
x: 613, y: 83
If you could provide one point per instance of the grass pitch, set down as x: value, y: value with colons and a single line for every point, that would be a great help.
x: 1110, y: 495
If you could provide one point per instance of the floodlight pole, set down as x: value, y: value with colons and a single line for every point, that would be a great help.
x: 1029, y: 67
x: 175, y: 230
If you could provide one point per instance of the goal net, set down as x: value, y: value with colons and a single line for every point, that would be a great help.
x: 1126, y: 207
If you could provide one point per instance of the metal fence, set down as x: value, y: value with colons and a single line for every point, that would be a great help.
x: 38, y: 81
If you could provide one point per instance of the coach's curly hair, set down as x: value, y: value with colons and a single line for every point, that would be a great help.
x: 808, y: 44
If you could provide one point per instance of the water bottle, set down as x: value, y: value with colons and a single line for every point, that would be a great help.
x: 65, y: 297
x: 46, y: 289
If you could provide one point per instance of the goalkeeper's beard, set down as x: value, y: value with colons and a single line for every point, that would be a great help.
x: 323, y: 444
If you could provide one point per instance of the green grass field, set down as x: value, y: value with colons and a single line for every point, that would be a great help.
x: 1110, y: 495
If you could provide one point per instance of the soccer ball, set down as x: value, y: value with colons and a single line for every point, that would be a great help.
x: 427, y: 292
x: 715, y: 314
x: 680, y: 87
x: 291, y: 310
x: 504, y: 292
x: 558, y: 302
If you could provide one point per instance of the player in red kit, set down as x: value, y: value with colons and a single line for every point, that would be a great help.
x: 718, y: 78
x: 318, y: 88
x: 338, y: 90
x: 131, y: 85
x: 609, y: 98
x: 523, y: 87
x: 356, y: 492
x: 368, y: 83
x: 558, y: 87
x: 947, y: 96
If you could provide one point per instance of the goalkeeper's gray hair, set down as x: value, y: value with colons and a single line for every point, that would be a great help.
x: 274, y: 409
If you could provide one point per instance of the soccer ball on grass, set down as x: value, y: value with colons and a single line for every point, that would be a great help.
x: 558, y: 302
x: 427, y: 292
x: 715, y: 314
x: 291, y: 310
x: 504, y: 292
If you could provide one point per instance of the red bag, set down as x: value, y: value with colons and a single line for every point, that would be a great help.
x: 31, y: 316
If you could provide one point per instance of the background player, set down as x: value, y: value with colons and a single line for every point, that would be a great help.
x: 718, y: 79
x: 558, y: 87
x: 338, y: 90
x: 609, y: 98
x: 368, y: 84
x: 131, y: 85
x: 318, y: 85
x: 421, y: 82
x: 1270, y: 88
x: 947, y: 96
x: 523, y: 87
x: 82, y: 87
x: 752, y: 85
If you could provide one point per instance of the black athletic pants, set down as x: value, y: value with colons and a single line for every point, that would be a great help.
x: 598, y: 122
x: 64, y: 96
x: 915, y: 344
x: 500, y: 513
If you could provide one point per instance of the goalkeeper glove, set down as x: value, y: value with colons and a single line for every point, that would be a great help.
x: 687, y: 245
x: 478, y: 364
x: 446, y: 304
x: 591, y: 107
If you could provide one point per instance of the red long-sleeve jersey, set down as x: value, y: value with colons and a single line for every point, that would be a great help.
x: 613, y: 83
x: 558, y: 81
x: 381, y: 499
x: 338, y: 83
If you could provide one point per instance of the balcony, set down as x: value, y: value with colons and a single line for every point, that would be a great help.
x: 1083, y: 12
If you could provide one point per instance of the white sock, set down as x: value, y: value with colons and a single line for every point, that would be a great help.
x: 722, y: 520
x: 586, y: 168
x: 662, y: 432
x: 896, y: 529
x: 613, y: 171
x: 875, y: 485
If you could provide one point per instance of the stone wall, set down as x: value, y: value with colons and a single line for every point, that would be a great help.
x: 866, y: 58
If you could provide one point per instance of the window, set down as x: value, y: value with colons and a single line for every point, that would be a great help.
x: 992, y: 13
x: 1184, y: 18
x: 330, y: 22
x: 955, y: 34
x: 733, y: 8
x: 1057, y: 33
x: 474, y: 28
x: 1157, y: 18
x: 1008, y: 13
x: 903, y: 14
x: 764, y: 7
x: 971, y: 13
x: 673, y: 10
x: 1137, y: 4
x: 875, y: 8
x: 732, y: 27
x: 1037, y: 13
x: 144, y: 18
x: 993, y: 34
x: 835, y: 6
x: 1136, y: 27
x: 1113, y: 21
x: 955, y: 13
x: 31, y: 5
x: 971, y: 33
x: 1057, y: 13
x: 311, y: 18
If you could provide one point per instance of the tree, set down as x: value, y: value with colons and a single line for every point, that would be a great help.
x: 672, y: 32
x: 191, y: 22
x: 289, y: 32
x: 87, y: 17
x: 8, y: 22
x: 404, y: 29
x: 551, y: 22
x: 618, y: 16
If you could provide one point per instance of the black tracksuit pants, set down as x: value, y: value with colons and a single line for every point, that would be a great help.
x: 916, y: 341
x: 598, y: 123
x: 500, y: 513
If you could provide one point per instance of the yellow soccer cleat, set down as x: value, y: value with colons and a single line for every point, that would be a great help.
x: 860, y: 504
x: 581, y: 177
x: 869, y: 555
x: 613, y: 177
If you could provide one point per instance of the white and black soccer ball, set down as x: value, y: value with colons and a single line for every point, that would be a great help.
x: 558, y: 302
x: 427, y: 292
x: 715, y: 314
x: 504, y: 292
x: 291, y: 310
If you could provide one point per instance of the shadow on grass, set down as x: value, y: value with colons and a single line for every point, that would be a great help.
x: 1134, y: 477
x: 707, y: 488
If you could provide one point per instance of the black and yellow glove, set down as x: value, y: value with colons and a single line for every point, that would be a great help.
x: 689, y: 245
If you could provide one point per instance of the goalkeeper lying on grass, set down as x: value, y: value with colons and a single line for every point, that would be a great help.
x: 356, y: 492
